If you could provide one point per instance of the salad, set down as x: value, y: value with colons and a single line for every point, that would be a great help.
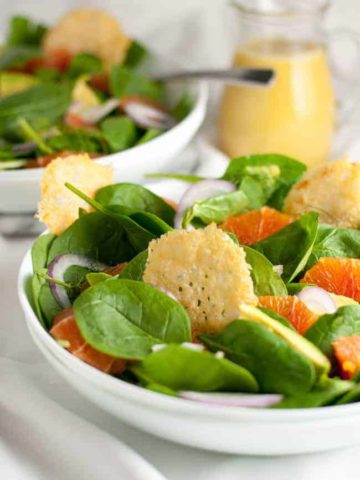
x: 244, y: 294
x: 66, y: 89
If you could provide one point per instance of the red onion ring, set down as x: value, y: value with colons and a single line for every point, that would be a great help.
x: 58, y: 267
x: 317, y: 300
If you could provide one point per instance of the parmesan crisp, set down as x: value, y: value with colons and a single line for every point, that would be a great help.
x: 89, y: 30
x: 205, y: 271
x: 333, y: 190
x: 59, y: 207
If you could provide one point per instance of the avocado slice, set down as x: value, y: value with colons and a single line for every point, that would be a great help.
x: 84, y: 95
x: 298, y: 342
x: 342, y: 301
x: 11, y: 83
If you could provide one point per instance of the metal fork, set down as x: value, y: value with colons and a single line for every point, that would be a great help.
x: 260, y: 77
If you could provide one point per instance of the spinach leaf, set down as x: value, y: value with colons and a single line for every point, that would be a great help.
x: 345, y: 322
x: 23, y: 31
x: 335, y: 242
x: 48, y: 305
x: 33, y: 136
x: 47, y: 74
x: 138, y: 236
x: 266, y: 280
x: 135, y: 55
x: 125, y: 318
x: 135, y: 197
x: 120, y: 132
x: 97, y: 236
x: 44, y: 104
x: 325, y: 393
x: 17, y: 56
x: 350, y: 396
x: 216, y: 209
x: 76, y: 141
x: 84, y: 64
x: 277, y: 366
x: 180, y: 368
x: 275, y: 173
x: 183, y: 107
x: 184, y: 177
x: 291, y: 246
x: 96, y: 277
x: 149, y: 134
x: 40, y: 251
x: 151, y: 222
x: 75, y: 276
x: 39, y: 254
x: 253, y: 190
x: 154, y: 387
x: 124, y: 81
x: 135, y: 269
x: 294, y: 288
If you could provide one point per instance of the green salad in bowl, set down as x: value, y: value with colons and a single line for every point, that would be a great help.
x: 78, y: 86
x: 243, y: 294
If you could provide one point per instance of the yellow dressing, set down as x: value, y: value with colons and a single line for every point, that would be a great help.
x: 295, y: 116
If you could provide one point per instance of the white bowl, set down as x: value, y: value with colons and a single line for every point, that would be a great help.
x: 223, y: 429
x: 20, y: 189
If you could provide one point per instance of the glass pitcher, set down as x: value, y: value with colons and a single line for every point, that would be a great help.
x: 295, y: 116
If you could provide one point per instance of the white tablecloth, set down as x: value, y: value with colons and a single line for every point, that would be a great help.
x: 49, y: 432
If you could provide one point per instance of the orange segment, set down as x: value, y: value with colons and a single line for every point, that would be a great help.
x: 336, y: 275
x: 253, y: 226
x: 347, y: 353
x: 66, y: 330
x: 291, y: 308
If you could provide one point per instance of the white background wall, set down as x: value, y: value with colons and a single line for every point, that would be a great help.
x: 195, y: 31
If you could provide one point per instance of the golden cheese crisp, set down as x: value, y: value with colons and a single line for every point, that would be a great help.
x: 59, y: 207
x: 205, y: 271
x: 89, y: 31
x: 333, y: 190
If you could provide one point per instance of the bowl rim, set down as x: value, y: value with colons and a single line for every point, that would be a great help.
x: 201, y: 98
x: 158, y: 401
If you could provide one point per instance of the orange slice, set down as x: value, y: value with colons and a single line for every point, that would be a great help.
x: 66, y: 330
x: 291, y: 308
x: 253, y: 226
x: 336, y: 275
x: 347, y: 353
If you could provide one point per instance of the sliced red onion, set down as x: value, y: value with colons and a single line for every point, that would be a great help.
x: 58, y: 268
x: 28, y: 147
x: 146, y: 114
x: 23, y: 148
x: 92, y: 115
x: 200, y: 191
x: 233, y: 399
x: 317, y: 300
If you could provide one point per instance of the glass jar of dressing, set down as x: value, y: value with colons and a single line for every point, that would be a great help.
x: 295, y: 115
